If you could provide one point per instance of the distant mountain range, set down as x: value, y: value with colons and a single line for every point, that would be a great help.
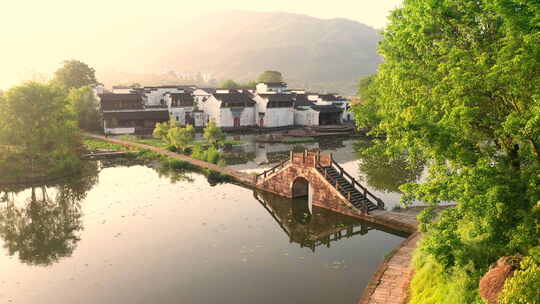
x: 318, y: 54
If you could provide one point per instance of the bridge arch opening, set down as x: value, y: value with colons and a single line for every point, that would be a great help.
x: 302, y: 195
x: 300, y: 188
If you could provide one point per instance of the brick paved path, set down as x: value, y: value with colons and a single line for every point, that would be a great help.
x: 390, y: 284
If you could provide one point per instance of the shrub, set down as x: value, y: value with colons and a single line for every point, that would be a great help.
x: 524, y: 286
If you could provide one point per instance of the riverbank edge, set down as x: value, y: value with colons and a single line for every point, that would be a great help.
x: 391, y: 282
x: 240, y: 177
x: 381, y: 276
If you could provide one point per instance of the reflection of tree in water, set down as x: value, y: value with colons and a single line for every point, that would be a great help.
x: 385, y: 173
x: 174, y: 175
x: 331, y: 143
x: 45, y: 228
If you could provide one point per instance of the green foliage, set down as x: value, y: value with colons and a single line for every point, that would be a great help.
x: 213, y: 134
x: 367, y: 111
x: 180, y: 138
x: 177, y: 164
x: 74, y: 74
x: 270, y: 76
x: 460, y: 88
x: 524, y: 286
x: 161, y: 130
x: 214, y: 178
x: 229, y: 84
x: 212, y: 155
x: 35, y: 120
x: 85, y: 105
x: 432, y: 285
x: 95, y: 144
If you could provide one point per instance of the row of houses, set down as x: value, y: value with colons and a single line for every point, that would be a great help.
x: 268, y: 105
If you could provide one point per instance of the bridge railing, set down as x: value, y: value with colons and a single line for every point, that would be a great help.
x: 271, y: 170
x: 353, y: 181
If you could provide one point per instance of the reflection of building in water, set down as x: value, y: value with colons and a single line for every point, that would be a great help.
x: 319, y: 228
x: 267, y: 153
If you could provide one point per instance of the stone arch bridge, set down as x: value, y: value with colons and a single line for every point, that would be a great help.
x: 326, y: 183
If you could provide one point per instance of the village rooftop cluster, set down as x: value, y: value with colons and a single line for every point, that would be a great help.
x: 267, y: 106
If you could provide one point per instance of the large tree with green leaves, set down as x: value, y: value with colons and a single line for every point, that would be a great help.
x: 74, y: 74
x: 36, y: 123
x: 84, y: 104
x: 460, y: 88
x: 270, y: 76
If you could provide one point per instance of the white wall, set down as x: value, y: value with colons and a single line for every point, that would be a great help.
x: 247, y: 117
x: 121, y: 91
x: 119, y: 131
x: 154, y: 97
x: 279, y: 117
x: 179, y: 114
x: 306, y: 117
x: 211, y: 108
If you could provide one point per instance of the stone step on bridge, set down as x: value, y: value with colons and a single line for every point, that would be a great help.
x: 323, y: 180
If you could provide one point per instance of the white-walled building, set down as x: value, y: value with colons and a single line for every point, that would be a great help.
x: 270, y: 105
x: 230, y: 109
x: 275, y: 110
x: 271, y: 87
x: 183, y: 109
x: 336, y: 100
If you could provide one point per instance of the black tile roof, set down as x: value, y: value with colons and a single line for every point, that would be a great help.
x: 235, y: 99
x: 278, y: 97
x: 326, y: 109
x: 138, y: 115
x: 275, y: 84
x: 301, y: 100
x: 182, y: 99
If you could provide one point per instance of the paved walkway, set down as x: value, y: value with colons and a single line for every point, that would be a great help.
x: 241, y: 177
x: 390, y: 284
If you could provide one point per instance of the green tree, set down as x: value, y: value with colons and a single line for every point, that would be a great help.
x: 270, y: 76
x: 34, y: 118
x: 74, y: 74
x: 180, y: 138
x: 161, y: 130
x: 229, y: 84
x: 85, y: 105
x: 460, y: 88
x: 367, y: 112
x: 213, y: 134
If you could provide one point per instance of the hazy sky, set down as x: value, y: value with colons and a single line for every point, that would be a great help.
x: 36, y: 35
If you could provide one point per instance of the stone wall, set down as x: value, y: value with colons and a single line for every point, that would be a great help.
x: 324, y: 194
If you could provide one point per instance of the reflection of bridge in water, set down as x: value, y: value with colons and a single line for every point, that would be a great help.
x: 316, y: 228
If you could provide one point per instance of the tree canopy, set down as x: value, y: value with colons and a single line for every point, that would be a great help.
x: 74, y: 74
x: 229, y: 84
x: 84, y: 104
x: 460, y: 88
x: 270, y: 76
x: 35, y: 120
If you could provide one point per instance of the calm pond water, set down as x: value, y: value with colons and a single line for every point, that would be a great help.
x: 142, y: 235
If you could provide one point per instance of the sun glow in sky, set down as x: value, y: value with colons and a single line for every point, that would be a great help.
x: 36, y: 36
